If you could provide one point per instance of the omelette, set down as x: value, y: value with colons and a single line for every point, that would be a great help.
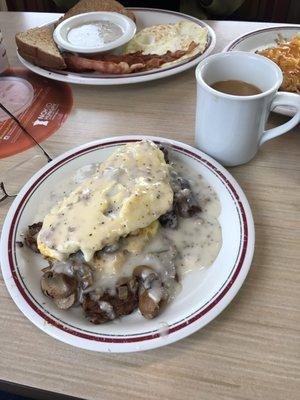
x: 159, y: 39
x: 128, y: 192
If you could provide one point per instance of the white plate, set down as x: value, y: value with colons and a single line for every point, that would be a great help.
x: 261, y: 39
x: 144, y: 17
x: 205, y: 293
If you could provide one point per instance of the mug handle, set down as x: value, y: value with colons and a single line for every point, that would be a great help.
x: 283, y: 99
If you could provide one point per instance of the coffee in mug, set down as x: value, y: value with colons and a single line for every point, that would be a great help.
x: 237, y: 88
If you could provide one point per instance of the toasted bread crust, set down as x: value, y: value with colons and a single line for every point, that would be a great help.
x: 42, y: 53
x: 42, y: 60
x: 84, y: 6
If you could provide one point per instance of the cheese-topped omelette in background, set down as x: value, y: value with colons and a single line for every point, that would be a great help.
x: 159, y: 39
x: 128, y: 191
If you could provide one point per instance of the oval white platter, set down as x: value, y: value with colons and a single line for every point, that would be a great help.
x: 144, y: 17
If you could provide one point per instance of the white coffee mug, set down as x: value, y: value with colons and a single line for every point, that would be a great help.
x: 231, y: 128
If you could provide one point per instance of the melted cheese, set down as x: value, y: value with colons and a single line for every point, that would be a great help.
x: 129, y: 191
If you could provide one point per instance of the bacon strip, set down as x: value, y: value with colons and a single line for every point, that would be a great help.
x: 124, y: 63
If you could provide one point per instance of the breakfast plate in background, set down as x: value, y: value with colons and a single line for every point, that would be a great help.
x: 145, y: 17
x: 261, y: 39
x: 204, y: 294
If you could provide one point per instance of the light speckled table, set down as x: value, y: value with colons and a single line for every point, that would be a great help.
x: 252, y: 350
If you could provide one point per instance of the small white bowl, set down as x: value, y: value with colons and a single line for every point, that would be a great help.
x: 60, y: 34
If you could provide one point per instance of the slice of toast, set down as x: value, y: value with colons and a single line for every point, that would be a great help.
x: 84, y: 6
x: 38, y: 47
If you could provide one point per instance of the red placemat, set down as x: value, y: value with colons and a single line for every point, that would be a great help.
x: 51, y: 104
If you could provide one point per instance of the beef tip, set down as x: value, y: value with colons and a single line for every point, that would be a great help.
x: 123, y: 292
x: 31, y: 236
x: 145, y: 275
x: 31, y: 243
x: 77, y: 257
x: 83, y: 274
x: 124, y: 285
x: 185, y: 202
x: 169, y: 220
x: 108, y: 249
x: 97, y: 312
x: 48, y: 268
x: 164, y: 149
x: 132, y: 283
x: 123, y: 306
x: 111, y: 248
x: 108, y: 307
x: 80, y: 270
x: 34, y: 228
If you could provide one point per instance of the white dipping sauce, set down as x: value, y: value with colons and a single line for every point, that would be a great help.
x: 94, y: 34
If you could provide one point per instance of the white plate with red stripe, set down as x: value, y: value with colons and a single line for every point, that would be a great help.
x: 144, y: 17
x: 205, y: 293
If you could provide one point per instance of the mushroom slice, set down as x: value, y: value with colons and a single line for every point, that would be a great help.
x: 169, y: 220
x: 146, y: 275
x: 112, y: 248
x: 57, y: 285
x: 65, y: 302
x: 133, y: 285
x: 83, y: 274
x: 148, y: 306
x: 152, y: 293
x: 126, y: 300
x: 185, y: 202
x: 122, y: 292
